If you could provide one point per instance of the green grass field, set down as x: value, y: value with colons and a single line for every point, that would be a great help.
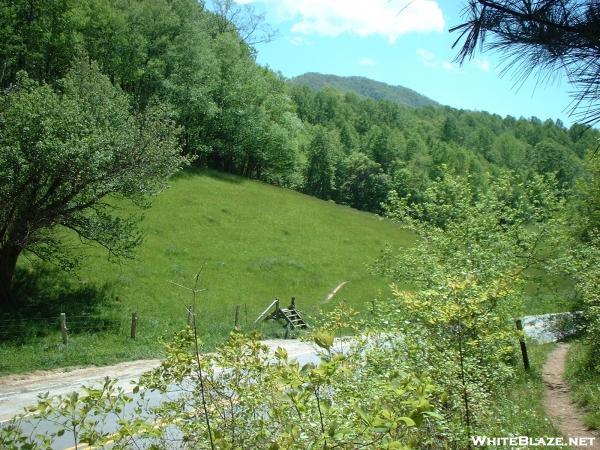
x: 255, y: 241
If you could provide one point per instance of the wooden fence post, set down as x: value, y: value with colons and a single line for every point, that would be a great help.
x: 523, y: 345
x: 134, y: 321
x: 63, y: 328
x: 237, y: 317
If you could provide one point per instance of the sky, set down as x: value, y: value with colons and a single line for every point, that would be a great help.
x: 401, y: 42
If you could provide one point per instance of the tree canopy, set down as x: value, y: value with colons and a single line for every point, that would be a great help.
x: 63, y: 151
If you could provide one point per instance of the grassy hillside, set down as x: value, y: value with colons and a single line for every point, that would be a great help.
x: 365, y: 87
x: 256, y: 242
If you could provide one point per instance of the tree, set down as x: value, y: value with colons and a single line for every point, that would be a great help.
x: 320, y: 171
x: 363, y: 184
x: 506, y: 229
x: 466, y: 273
x: 549, y: 35
x: 550, y: 157
x: 65, y: 152
x: 37, y: 36
x: 384, y: 144
x: 584, y: 248
x: 242, y: 19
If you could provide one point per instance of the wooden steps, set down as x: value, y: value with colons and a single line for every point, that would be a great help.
x: 292, y: 317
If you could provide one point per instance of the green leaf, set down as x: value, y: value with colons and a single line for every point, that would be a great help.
x: 407, y: 421
x: 323, y: 339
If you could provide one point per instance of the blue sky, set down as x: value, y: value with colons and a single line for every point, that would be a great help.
x: 400, y: 42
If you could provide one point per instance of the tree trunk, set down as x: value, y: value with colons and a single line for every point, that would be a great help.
x: 8, y: 263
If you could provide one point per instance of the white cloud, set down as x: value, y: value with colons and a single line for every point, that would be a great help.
x: 367, y: 62
x: 427, y: 58
x: 450, y: 67
x: 482, y: 64
x: 387, y: 18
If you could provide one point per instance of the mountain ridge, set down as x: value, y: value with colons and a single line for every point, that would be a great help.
x: 365, y: 87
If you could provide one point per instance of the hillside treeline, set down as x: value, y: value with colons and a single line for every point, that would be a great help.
x: 376, y: 146
x: 239, y: 117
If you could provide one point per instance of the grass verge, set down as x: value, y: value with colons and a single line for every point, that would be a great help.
x: 584, y: 382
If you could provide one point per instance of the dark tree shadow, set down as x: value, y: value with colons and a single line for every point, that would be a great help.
x: 41, y: 294
x: 191, y: 172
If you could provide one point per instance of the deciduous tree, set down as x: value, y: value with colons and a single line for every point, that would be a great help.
x: 64, y: 152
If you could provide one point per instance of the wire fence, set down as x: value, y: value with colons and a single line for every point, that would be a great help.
x: 20, y: 328
x: 28, y: 325
x: 25, y: 325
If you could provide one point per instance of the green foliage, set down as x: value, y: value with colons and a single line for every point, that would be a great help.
x: 364, y: 391
x: 233, y: 113
x: 320, y: 168
x: 586, y: 200
x: 583, y: 261
x: 490, y: 235
x: 583, y: 265
x: 552, y: 157
x: 365, y: 185
x: 63, y: 151
x: 584, y: 381
x: 78, y: 415
x: 241, y: 118
x: 467, y: 274
x: 239, y: 396
x: 413, y: 147
x: 38, y: 37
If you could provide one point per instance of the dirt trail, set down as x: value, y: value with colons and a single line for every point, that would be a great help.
x: 557, y: 399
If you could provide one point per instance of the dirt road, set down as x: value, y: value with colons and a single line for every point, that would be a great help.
x: 19, y: 391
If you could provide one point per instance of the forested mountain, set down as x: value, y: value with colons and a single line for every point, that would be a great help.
x: 236, y: 116
x: 365, y: 87
x: 359, y: 149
